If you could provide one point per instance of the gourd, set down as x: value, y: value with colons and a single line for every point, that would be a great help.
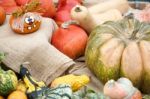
x: 17, y: 95
x: 62, y: 91
x: 8, y: 81
x: 76, y: 82
x: 120, y: 49
x: 2, y: 15
x: 38, y: 89
x: 121, y: 5
x: 23, y: 20
x: 84, y: 17
x: 121, y: 89
x: 21, y: 86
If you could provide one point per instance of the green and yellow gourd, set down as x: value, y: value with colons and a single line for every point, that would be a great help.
x: 8, y: 79
x: 121, y: 48
x: 38, y: 90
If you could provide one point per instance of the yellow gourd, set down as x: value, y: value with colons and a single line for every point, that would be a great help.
x: 17, y: 95
x: 76, y: 82
x: 21, y: 86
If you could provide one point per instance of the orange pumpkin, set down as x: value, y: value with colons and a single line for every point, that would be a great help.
x: 2, y: 15
x: 24, y: 20
x: 28, y: 23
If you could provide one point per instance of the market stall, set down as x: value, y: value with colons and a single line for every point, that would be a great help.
x: 74, y: 49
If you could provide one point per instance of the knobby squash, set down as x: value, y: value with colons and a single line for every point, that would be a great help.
x: 8, y: 81
x: 121, y: 48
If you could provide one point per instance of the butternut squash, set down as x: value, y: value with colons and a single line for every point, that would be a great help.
x: 121, y: 5
x: 89, y: 21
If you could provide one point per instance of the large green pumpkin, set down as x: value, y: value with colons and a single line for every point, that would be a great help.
x: 122, y: 48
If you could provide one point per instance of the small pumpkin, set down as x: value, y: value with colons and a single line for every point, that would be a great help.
x: 121, y: 49
x: 2, y: 15
x: 17, y: 95
x: 8, y: 81
x: 70, y: 39
x: 23, y: 20
x: 121, y: 89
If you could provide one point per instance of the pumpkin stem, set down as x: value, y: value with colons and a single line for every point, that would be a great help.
x: 111, y: 83
x: 78, y: 9
x: 32, y: 6
x: 133, y: 36
x: 65, y: 25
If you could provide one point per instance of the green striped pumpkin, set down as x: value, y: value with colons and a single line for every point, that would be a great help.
x: 61, y: 92
x: 8, y: 81
x: 121, y: 49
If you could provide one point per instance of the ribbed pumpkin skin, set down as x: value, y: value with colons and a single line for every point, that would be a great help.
x: 122, y: 48
x: 8, y: 82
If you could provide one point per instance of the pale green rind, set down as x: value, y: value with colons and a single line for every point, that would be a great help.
x: 127, y: 30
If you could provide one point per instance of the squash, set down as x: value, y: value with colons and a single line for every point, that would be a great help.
x: 21, y: 86
x: 121, y: 49
x: 84, y: 17
x: 70, y: 39
x: 121, y: 89
x: 62, y: 91
x: 121, y: 5
x: 2, y: 15
x: 38, y: 89
x: 76, y: 82
x: 8, y: 81
x: 17, y: 95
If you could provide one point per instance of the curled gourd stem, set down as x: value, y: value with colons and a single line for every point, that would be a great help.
x: 65, y: 25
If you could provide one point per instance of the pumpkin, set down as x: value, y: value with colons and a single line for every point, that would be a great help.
x: 47, y: 6
x: 8, y: 81
x: 120, y: 49
x: 121, y: 89
x: 23, y: 20
x: 70, y: 39
x: 28, y: 23
x: 17, y: 95
x: 63, y: 10
x: 8, y: 5
x: 2, y: 15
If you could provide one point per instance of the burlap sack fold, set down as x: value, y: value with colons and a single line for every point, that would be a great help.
x: 46, y: 62
x: 80, y: 68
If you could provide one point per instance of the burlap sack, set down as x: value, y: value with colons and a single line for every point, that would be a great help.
x: 80, y: 68
x: 46, y: 62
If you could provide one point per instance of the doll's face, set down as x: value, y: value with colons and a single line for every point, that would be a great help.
x: 31, y: 22
x: 28, y: 23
